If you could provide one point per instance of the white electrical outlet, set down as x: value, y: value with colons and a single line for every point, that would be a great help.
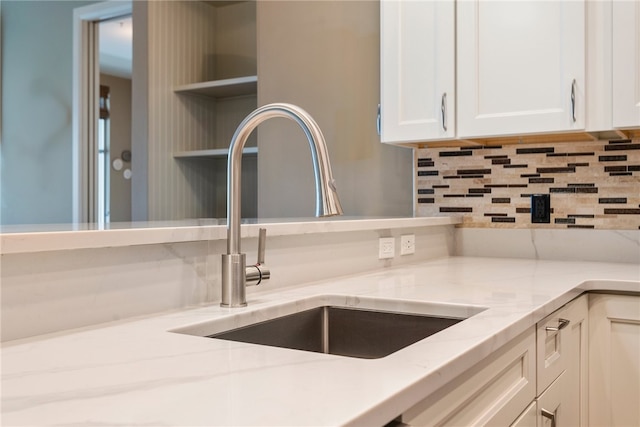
x: 408, y: 244
x: 386, y: 248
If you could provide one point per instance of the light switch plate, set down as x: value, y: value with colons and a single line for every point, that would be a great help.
x: 387, y: 248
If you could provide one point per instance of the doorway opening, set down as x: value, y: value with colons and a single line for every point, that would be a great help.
x: 92, y: 201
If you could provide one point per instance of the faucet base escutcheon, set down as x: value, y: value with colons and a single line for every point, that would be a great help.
x: 233, y: 268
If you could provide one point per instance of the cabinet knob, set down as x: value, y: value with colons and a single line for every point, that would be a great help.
x: 379, y: 122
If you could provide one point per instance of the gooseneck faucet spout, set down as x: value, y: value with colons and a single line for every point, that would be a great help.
x: 234, y: 270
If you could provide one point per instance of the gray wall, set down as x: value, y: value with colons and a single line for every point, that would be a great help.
x: 324, y: 56
x: 36, y: 146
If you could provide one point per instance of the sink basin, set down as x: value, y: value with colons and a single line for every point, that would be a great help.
x: 358, y: 327
x: 342, y: 331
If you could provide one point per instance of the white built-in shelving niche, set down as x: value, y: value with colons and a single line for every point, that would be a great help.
x: 230, y: 90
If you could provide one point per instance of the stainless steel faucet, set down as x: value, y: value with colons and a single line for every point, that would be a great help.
x: 235, y: 274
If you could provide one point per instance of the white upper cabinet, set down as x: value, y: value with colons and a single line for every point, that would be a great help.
x: 417, y: 70
x: 626, y: 63
x: 520, y: 67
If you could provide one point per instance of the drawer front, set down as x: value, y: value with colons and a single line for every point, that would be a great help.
x: 554, y: 342
x: 550, y: 348
x: 529, y: 418
x: 550, y: 408
x: 494, y: 392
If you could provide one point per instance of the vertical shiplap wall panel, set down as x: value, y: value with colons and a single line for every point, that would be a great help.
x: 181, y: 48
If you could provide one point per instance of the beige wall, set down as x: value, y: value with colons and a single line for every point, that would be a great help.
x: 324, y: 57
x: 120, y: 139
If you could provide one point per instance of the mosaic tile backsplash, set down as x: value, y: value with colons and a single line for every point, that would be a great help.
x: 591, y: 184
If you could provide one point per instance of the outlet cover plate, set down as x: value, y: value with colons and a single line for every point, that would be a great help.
x: 387, y: 248
x: 407, y: 244
x: 541, y: 208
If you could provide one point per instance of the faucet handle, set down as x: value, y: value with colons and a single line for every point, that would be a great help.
x: 262, y: 238
x: 258, y: 272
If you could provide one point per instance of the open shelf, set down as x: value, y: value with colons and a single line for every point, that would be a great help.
x: 222, y: 88
x: 212, y: 154
x: 221, y: 3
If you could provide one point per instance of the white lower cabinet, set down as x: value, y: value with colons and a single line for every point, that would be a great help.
x: 494, y: 392
x: 561, y: 359
x: 562, y: 350
x: 614, y: 360
x: 538, y: 379
x: 579, y: 366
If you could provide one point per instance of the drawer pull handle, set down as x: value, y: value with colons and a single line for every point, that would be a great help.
x: 562, y: 323
x: 549, y: 415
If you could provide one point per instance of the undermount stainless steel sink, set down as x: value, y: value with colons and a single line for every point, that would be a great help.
x: 365, y: 334
x: 345, y: 325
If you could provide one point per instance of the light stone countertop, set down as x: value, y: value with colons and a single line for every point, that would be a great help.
x: 53, y: 237
x: 139, y: 373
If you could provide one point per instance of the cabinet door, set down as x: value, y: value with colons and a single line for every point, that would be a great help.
x: 614, y: 360
x: 626, y: 63
x: 520, y: 67
x: 417, y: 70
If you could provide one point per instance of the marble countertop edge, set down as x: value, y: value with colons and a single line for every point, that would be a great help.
x: 44, y: 239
